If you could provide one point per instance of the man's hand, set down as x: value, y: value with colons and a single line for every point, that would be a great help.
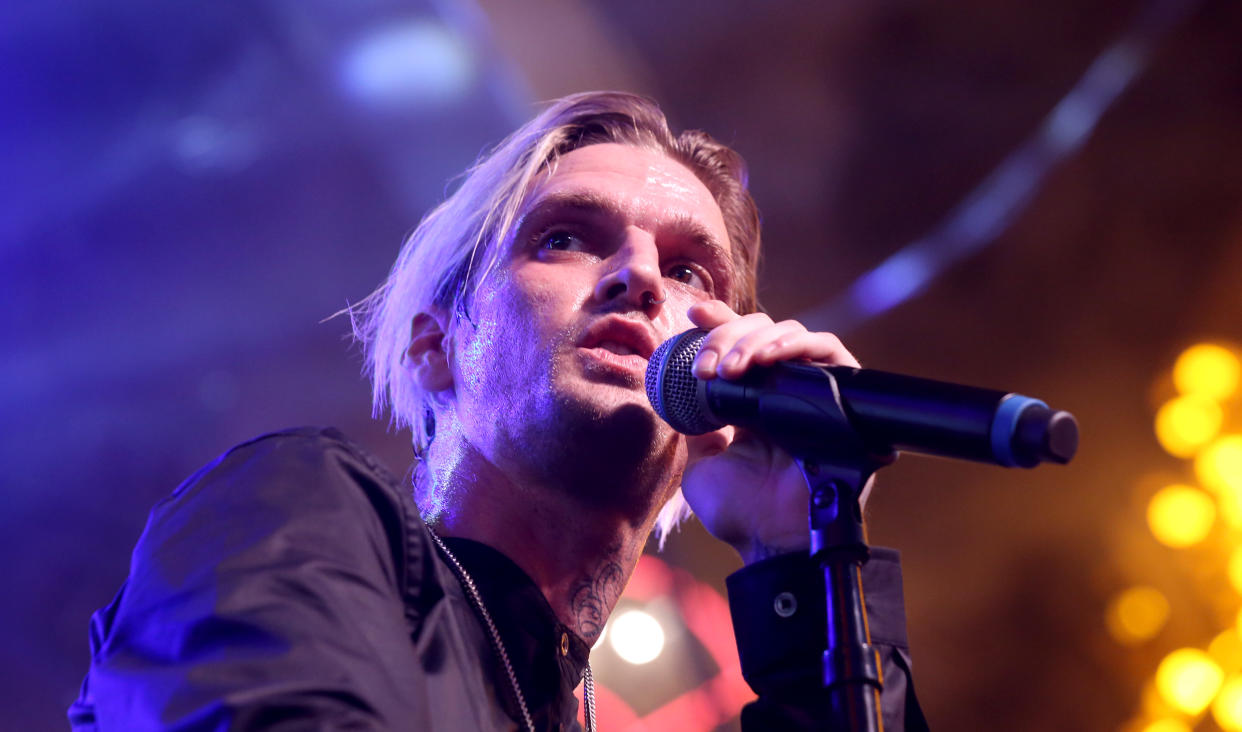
x: 747, y: 492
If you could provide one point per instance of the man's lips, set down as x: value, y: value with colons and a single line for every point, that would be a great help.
x: 632, y: 363
x: 621, y: 336
x: 622, y: 342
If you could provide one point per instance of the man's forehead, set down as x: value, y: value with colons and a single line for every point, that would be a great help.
x: 634, y: 180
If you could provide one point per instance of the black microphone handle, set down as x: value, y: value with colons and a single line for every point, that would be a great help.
x: 898, y: 412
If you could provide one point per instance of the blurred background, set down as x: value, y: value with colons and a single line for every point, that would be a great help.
x: 1038, y: 197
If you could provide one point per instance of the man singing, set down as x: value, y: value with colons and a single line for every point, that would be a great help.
x: 294, y: 584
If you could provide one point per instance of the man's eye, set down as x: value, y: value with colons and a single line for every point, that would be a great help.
x: 560, y: 241
x: 688, y: 275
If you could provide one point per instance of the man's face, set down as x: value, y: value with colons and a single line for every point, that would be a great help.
x: 552, y: 376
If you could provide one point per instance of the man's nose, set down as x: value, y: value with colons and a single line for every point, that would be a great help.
x: 633, y: 274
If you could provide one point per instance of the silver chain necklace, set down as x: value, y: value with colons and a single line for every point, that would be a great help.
x: 588, y: 682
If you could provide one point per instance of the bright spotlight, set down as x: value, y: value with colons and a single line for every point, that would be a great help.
x: 1180, y: 515
x: 1208, y: 370
x: 636, y: 637
x: 1188, y: 679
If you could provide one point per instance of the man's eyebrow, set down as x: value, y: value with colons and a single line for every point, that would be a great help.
x: 718, y: 253
x: 580, y: 201
x: 694, y: 230
x: 596, y: 203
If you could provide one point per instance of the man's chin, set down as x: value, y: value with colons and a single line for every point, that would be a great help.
x: 603, y: 443
x: 615, y: 405
x: 611, y: 419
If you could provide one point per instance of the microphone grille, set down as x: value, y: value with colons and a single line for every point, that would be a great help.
x: 672, y: 387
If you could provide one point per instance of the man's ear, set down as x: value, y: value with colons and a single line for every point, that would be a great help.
x: 427, y: 357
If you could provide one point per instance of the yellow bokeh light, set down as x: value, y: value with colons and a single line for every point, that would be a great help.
x: 1151, y: 704
x: 1137, y: 614
x: 1180, y: 515
x: 1226, y: 650
x: 1188, y: 679
x: 1234, y: 571
x: 1167, y: 725
x: 1229, y: 506
x: 1187, y: 423
x: 1219, y: 465
x: 1207, y: 369
x: 1227, y: 709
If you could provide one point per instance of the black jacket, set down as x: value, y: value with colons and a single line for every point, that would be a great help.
x: 291, y: 584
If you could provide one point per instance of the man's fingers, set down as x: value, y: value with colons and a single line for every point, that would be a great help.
x: 808, y: 346
x: 736, y: 342
x: 760, y: 340
x: 711, y: 313
x: 717, y: 355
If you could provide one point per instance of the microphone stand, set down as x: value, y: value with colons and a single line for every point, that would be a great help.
x: 851, y: 665
x: 836, y: 467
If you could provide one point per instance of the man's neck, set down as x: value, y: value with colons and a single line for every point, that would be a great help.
x: 580, y: 555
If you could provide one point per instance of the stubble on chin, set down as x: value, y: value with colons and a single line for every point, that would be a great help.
x: 608, y: 451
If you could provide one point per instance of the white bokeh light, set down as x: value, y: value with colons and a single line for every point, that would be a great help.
x: 412, y: 63
x: 636, y: 637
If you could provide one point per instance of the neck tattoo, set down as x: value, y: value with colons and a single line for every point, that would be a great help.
x: 476, y: 602
x: 591, y: 598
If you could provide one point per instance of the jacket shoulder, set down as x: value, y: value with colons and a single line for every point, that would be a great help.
x: 297, y: 487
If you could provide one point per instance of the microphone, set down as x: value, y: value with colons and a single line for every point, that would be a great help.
x: 801, y: 403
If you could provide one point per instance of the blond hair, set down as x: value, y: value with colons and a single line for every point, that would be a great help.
x: 455, y: 245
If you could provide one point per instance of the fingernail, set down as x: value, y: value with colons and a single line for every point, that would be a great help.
x: 705, y: 364
x: 730, y: 363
